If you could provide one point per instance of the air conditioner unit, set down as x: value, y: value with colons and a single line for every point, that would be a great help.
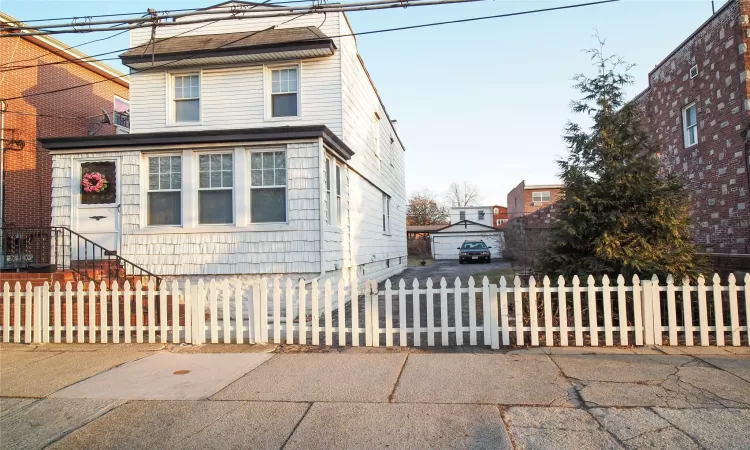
x: 536, y: 203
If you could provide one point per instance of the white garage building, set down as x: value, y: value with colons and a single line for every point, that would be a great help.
x: 446, y: 241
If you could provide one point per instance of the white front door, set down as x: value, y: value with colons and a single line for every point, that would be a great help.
x: 96, y: 203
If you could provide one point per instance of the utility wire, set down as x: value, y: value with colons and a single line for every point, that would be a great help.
x: 89, y: 57
x: 361, y: 33
x: 409, y: 27
x: 235, y: 14
x: 20, y: 113
x: 57, y: 52
x: 141, y: 12
x: 54, y: 91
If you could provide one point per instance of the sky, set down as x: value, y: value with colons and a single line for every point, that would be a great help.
x: 483, y: 102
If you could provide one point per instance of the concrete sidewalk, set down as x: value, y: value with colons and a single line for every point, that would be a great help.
x: 156, y: 396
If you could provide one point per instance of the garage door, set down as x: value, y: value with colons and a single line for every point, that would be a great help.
x: 445, y: 246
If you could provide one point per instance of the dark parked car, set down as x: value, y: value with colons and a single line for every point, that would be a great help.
x: 474, y: 251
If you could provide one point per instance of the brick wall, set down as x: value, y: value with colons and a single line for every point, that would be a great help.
x: 501, y: 215
x: 520, y: 199
x: 715, y: 169
x: 28, y: 173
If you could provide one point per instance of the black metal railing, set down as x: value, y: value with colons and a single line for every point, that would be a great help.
x: 55, y: 249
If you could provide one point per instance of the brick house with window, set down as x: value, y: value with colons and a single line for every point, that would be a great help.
x: 698, y: 106
x: 34, y: 64
x: 525, y: 198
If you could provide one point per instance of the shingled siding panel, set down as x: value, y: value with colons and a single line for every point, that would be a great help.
x: 715, y: 169
x: 292, y: 249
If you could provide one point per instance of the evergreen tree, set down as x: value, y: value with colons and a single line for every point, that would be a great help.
x: 620, y: 213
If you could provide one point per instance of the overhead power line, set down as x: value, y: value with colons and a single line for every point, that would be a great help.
x: 89, y: 58
x: 136, y: 13
x: 385, y: 30
x: 233, y: 14
x: 57, y: 52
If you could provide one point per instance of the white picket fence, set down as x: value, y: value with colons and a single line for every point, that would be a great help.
x: 495, y: 315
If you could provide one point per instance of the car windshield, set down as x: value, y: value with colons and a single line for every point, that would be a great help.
x: 473, y: 245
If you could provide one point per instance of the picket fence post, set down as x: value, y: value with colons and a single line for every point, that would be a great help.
x: 648, y: 312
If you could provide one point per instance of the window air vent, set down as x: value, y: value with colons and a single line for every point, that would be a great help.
x: 694, y: 71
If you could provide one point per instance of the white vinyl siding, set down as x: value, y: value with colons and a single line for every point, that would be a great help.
x: 690, y: 125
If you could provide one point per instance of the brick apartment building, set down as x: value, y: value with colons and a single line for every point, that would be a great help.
x: 698, y: 105
x: 32, y: 64
x: 525, y: 198
x: 499, y: 216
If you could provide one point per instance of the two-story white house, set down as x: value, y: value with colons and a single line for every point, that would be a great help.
x: 478, y: 214
x: 258, y: 147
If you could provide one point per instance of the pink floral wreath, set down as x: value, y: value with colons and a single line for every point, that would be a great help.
x: 94, y: 182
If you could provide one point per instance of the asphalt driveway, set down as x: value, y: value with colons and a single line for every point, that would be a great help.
x: 448, y: 269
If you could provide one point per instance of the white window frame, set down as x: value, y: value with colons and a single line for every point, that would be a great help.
x: 386, y: 214
x: 147, y: 183
x: 461, y: 216
x: 481, y: 214
x: 250, y: 152
x: 198, y: 188
x: 687, y: 129
x: 268, y: 91
x: 171, y: 110
x: 327, y: 204
x: 339, y: 182
x: 541, y: 196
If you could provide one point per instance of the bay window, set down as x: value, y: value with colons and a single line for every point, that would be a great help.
x: 327, y: 185
x: 268, y: 177
x: 215, y: 186
x: 164, y: 190
x: 339, y: 210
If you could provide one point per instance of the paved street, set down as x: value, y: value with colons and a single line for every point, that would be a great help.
x: 229, y: 396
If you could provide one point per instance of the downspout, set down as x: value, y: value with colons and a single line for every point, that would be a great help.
x: 3, y: 107
x: 322, y: 220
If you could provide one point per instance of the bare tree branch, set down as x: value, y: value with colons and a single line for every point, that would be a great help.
x: 465, y: 194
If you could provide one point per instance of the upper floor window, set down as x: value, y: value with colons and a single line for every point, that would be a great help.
x: 690, y: 125
x: 164, y: 190
x: 285, y: 92
x: 480, y: 215
x: 268, y: 187
x: 540, y: 197
x: 462, y: 215
x: 186, y: 97
x: 215, y: 183
x: 497, y: 210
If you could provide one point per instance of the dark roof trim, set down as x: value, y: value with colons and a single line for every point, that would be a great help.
x: 323, y: 44
x: 465, y: 222
x: 203, y: 137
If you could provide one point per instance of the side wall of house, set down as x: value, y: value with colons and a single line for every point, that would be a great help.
x: 377, y: 168
x: 28, y: 171
x: 715, y: 170
x: 516, y: 201
x: 235, y: 97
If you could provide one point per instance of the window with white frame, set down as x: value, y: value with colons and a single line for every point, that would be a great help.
x: 327, y: 213
x: 164, y: 190
x: 540, y: 197
x: 497, y: 210
x: 268, y: 174
x: 186, y: 98
x: 285, y: 92
x: 215, y: 188
x: 376, y: 133
x: 480, y: 215
x: 339, y: 207
x: 690, y: 125
x: 462, y: 215
x: 386, y: 214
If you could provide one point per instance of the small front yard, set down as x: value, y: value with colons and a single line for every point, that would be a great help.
x: 494, y: 275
